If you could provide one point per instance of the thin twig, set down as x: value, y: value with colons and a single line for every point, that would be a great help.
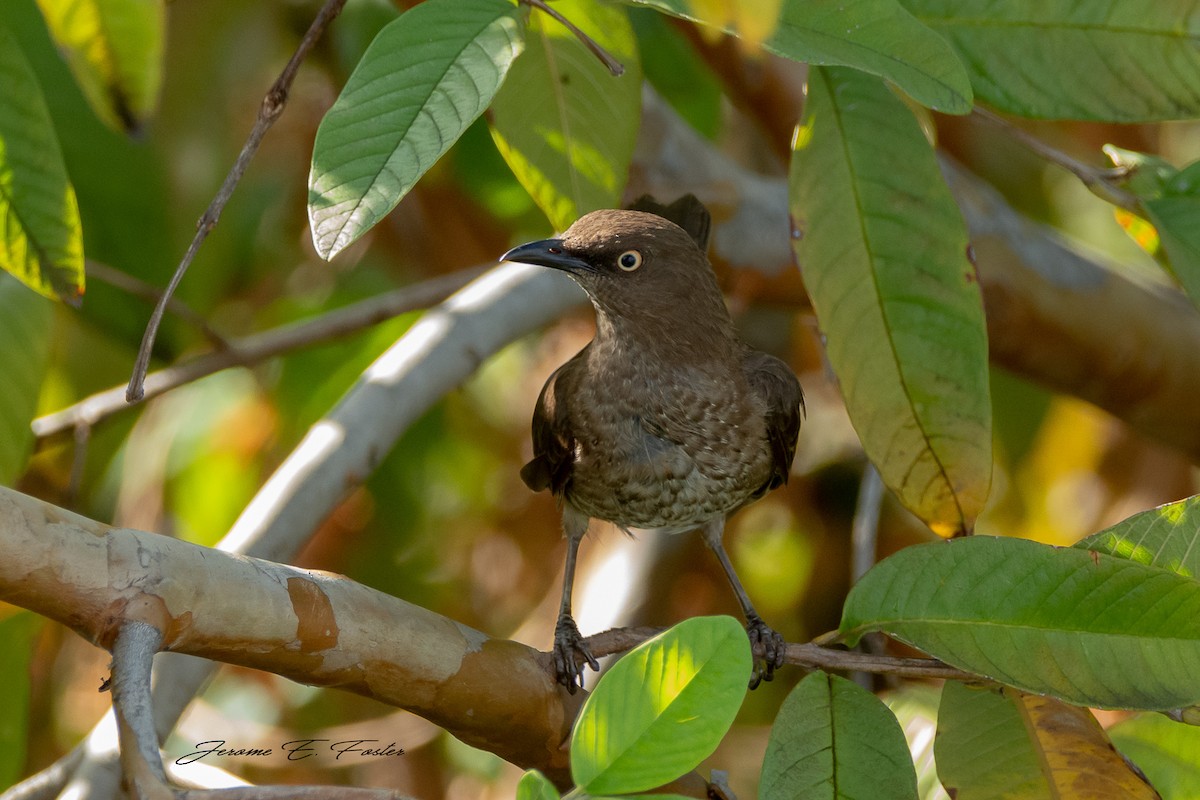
x: 615, y: 67
x: 864, y: 545
x: 1104, y: 183
x: 259, y: 347
x: 812, y: 656
x: 272, y: 106
x: 139, y: 288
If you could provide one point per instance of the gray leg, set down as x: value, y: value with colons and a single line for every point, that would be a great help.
x: 773, y: 646
x: 568, y: 643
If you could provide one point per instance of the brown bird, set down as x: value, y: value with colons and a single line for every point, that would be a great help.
x: 666, y: 420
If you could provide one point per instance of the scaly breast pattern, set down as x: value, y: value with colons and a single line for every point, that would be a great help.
x: 692, y: 449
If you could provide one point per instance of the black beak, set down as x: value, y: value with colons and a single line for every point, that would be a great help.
x: 547, y: 253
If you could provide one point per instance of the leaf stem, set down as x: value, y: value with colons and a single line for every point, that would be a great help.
x: 614, y: 66
x: 1104, y: 183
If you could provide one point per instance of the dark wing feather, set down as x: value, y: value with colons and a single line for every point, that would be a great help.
x: 776, y: 384
x: 687, y: 212
x: 553, y: 445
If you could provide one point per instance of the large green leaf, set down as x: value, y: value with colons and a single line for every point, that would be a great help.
x: 40, y: 238
x: 663, y: 708
x: 565, y: 125
x: 1005, y: 745
x: 114, y: 49
x: 876, y: 36
x: 1163, y: 537
x: 24, y: 353
x: 426, y: 77
x: 1079, y: 625
x: 1126, y: 61
x: 833, y: 740
x: 883, y: 250
x: 1168, y: 752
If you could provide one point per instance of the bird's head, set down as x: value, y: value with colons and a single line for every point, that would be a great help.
x: 633, y: 265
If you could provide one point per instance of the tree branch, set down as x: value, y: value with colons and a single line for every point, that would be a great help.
x: 132, y: 592
x: 258, y: 347
x: 270, y: 110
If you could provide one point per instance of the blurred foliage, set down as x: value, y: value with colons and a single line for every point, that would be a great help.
x: 444, y: 521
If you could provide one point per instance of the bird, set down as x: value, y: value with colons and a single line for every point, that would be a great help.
x: 666, y: 421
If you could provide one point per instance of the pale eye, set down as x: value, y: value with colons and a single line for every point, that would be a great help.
x: 629, y: 260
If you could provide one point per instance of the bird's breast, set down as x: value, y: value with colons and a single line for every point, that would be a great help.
x: 670, y: 449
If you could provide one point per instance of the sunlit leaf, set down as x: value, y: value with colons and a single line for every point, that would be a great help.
x: 25, y: 333
x: 1168, y: 752
x: 1165, y: 537
x: 114, y: 49
x: 663, y: 708
x: 883, y: 250
x: 833, y: 740
x: 421, y: 83
x: 1080, y: 625
x: 40, y: 238
x: 1006, y: 744
x: 916, y: 708
x: 536, y: 786
x: 1127, y: 61
x: 876, y: 36
x: 565, y: 125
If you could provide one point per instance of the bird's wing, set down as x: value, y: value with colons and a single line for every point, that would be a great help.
x: 776, y: 384
x: 553, y: 444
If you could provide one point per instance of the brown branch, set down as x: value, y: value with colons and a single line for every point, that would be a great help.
x: 1104, y: 183
x: 809, y: 656
x: 258, y: 347
x: 314, y: 627
x: 270, y: 110
x: 139, y: 288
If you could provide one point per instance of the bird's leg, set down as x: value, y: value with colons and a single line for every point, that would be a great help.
x: 568, y: 643
x: 759, y: 632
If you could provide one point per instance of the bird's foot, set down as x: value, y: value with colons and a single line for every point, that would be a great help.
x: 768, y: 642
x: 570, y: 654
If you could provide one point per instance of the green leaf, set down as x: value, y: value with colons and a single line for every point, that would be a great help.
x: 16, y: 651
x: 982, y: 748
x: 427, y: 76
x: 1083, y: 626
x: 25, y: 331
x: 1163, y: 537
x: 883, y: 250
x: 40, y: 239
x: 1127, y: 61
x: 833, y: 740
x: 1176, y: 216
x: 1003, y: 744
x: 876, y: 36
x: 663, y: 708
x: 536, y: 786
x: 563, y: 123
x: 114, y: 49
x: 1168, y: 752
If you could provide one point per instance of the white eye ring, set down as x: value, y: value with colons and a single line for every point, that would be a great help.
x: 629, y: 260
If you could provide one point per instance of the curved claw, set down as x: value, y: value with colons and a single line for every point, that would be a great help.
x: 772, y: 646
x: 569, y: 652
